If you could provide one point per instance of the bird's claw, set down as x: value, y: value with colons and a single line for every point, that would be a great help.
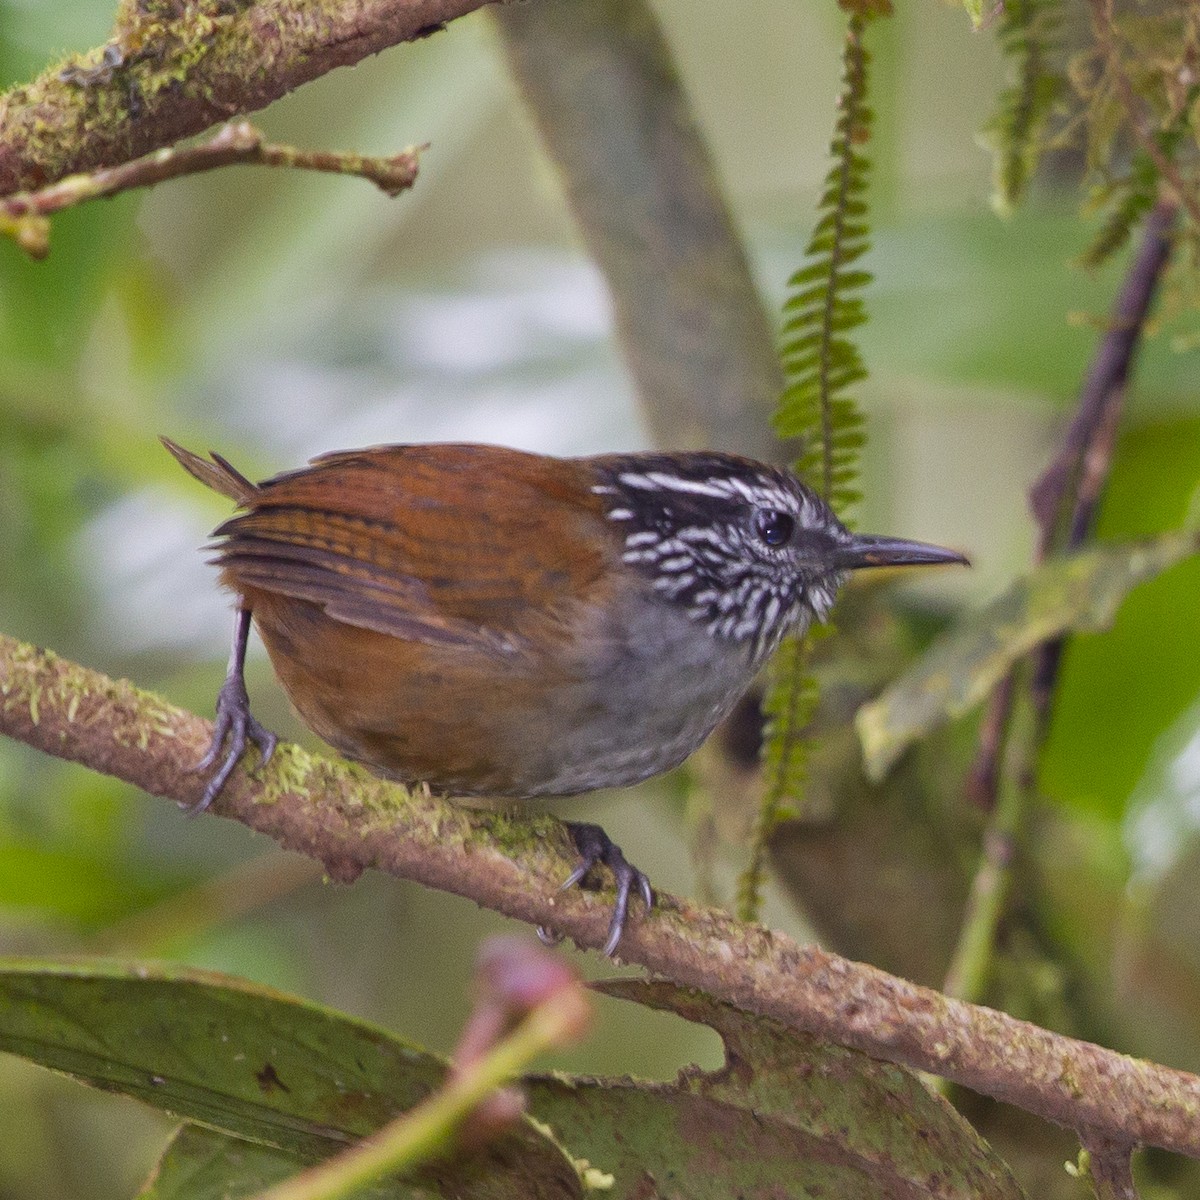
x: 595, y: 846
x: 236, y: 723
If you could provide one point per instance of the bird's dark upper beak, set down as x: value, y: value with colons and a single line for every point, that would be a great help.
x: 870, y: 550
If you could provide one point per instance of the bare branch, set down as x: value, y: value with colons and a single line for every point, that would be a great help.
x: 1105, y: 383
x: 350, y: 821
x: 23, y: 215
x: 599, y: 80
x: 1063, y: 501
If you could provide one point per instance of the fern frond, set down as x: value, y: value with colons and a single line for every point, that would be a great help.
x: 1028, y: 34
x: 824, y: 303
x: 788, y: 706
x: 821, y: 364
x: 1129, y: 199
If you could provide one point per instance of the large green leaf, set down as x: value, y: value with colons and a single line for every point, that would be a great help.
x: 788, y: 1117
x: 251, y: 1062
x: 202, y: 1164
x: 1082, y: 592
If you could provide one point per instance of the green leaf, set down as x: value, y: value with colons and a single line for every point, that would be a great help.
x: 974, y: 10
x: 249, y: 1061
x: 201, y: 1164
x: 819, y: 365
x: 788, y: 1117
x: 1082, y: 592
x: 1128, y: 200
x: 1018, y: 131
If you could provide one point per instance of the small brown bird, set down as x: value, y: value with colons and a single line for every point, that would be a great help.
x: 498, y: 623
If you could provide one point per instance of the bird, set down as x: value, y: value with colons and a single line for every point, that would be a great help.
x: 494, y: 622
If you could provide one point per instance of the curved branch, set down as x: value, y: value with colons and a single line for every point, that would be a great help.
x: 158, y: 80
x: 350, y: 820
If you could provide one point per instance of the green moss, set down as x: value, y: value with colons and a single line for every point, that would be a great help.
x: 101, y: 103
x: 291, y: 770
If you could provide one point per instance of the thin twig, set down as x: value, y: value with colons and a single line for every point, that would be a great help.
x: 1063, y: 501
x: 1106, y: 377
x: 350, y: 821
x: 220, y: 900
x: 23, y: 215
x: 423, y: 1132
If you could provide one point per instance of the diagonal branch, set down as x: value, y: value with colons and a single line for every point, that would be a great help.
x: 1063, y: 502
x: 350, y: 821
x: 159, y: 80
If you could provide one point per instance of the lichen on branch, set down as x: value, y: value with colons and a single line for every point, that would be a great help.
x: 172, y: 70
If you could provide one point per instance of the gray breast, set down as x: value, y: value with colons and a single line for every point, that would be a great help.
x: 655, y: 685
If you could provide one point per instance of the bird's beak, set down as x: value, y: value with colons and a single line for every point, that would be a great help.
x: 870, y: 550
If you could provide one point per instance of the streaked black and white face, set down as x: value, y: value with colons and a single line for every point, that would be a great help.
x: 747, y: 549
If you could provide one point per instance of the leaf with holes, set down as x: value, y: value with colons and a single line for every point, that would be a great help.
x: 788, y: 1117
x: 251, y: 1062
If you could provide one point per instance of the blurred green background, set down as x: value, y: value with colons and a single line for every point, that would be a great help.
x: 274, y: 315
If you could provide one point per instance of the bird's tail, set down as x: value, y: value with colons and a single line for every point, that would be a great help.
x: 213, y: 472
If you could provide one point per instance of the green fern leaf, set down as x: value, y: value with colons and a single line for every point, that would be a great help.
x: 1028, y: 34
x: 821, y: 363
x: 1129, y: 199
x: 788, y: 705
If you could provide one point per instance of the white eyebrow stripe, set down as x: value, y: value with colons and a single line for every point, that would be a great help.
x: 751, y: 494
x: 660, y: 479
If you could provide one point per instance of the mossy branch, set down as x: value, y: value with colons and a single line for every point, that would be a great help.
x: 172, y: 70
x: 350, y: 820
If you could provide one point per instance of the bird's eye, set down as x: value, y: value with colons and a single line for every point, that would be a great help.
x: 772, y: 526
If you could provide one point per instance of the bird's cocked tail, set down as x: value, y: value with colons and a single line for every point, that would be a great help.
x: 214, y: 472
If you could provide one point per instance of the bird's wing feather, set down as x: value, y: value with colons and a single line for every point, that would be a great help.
x: 449, y: 544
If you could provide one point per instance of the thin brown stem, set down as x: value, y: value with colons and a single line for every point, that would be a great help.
x: 1097, y: 416
x: 1064, y: 502
x: 1105, y: 383
x: 23, y: 214
x: 350, y: 821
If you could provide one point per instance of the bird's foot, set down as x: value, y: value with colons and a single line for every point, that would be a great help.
x: 595, y: 846
x: 236, y: 723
